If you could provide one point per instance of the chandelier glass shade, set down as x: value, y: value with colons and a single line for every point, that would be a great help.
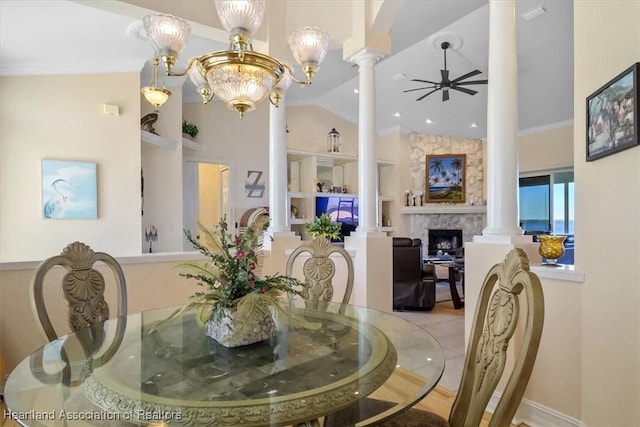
x: 155, y: 95
x: 238, y: 76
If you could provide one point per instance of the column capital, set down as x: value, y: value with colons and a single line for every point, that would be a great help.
x: 366, y: 55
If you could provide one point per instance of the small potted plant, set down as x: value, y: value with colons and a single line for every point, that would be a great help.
x: 324, y: 227
x: 189, y: 129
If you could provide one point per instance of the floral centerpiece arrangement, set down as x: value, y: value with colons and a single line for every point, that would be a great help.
x: 323, y: 226
x: 235, y: 305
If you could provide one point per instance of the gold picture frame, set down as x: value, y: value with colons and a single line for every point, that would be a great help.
x: 445, y: 178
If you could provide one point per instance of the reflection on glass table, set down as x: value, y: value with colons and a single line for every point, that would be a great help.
x: 120, y: 374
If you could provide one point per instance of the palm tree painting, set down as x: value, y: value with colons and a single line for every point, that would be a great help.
x: 69, y: 190
x: 445, y: 178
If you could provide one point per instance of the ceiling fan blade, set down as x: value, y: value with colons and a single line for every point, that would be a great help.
x: 425, y: 95
x: 445, y: 95
x: 465, y: 90
x: 466, y: 76
x: 418, y: 88
x: 424, y: 81
x: 473, y: 82
x: 445, y: 75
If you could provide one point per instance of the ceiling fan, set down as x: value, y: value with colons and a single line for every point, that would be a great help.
x: 445, y: 84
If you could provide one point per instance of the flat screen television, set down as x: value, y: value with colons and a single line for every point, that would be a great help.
x: 340, y: 209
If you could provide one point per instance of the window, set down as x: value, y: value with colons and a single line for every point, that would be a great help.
x: 547, y: 206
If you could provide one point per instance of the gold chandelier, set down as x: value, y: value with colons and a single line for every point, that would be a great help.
x: 155, y: 95
x: 238, y: 76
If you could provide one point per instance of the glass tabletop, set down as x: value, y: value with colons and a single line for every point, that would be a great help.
x: 124, y: 373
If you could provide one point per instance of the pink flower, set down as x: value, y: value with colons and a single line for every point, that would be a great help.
x: 240, y: 254
x: 263, y: 289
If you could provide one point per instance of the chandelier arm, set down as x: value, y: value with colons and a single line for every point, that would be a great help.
x: 172, y: 73
x: 306, y: 81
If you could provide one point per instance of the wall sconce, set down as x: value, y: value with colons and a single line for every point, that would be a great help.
x: 333, y: 141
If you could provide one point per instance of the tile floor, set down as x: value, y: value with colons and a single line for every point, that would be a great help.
x: 447, y: 325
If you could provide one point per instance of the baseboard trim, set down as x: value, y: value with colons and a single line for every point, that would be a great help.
x: 534, y: 414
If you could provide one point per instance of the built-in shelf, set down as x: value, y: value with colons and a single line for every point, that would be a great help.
x: 191, y: 144
x: 443, y: 209
x: 156, y: 140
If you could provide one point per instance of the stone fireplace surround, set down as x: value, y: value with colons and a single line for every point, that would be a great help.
x: 469, y: 216
x: 471, y: 225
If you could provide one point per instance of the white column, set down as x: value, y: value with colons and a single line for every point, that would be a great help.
x: 502, y: 123
x: 278, y: 168
x: 367, y: 157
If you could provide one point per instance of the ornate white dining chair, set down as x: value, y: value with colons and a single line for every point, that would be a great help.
x: 496, y: 317
x: 82, y: 286
x: 319, y: 271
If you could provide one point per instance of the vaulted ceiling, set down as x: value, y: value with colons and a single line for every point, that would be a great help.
x: 63, y: 36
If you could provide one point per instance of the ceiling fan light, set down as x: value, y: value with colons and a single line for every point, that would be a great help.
x: 246, y: 15
x: 167, y: 33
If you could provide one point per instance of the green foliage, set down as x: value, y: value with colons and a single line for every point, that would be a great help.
x: 324, y: 226
x: 189, y: 129
x: 230, y: 275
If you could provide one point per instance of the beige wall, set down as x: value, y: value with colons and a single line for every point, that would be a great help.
x: 162, y: 168
x: 243, y: 144
x: 58, y: 117
x: 607, y: 41
x: 149, y: 285
x: 546, y: 150
x: 309, y: 126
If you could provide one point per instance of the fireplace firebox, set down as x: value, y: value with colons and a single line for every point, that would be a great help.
x: 446, y: 241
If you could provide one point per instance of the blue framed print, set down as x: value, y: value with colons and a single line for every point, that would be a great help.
x: 69, y: 190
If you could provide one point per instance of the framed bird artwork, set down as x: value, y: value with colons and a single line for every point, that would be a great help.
x: 69, y: 190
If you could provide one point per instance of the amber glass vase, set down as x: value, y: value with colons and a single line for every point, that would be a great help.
x: 551, y: 247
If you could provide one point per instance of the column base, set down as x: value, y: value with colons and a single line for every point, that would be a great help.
x: 373, y: 270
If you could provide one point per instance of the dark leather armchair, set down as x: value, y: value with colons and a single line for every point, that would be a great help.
x: 412, y: 288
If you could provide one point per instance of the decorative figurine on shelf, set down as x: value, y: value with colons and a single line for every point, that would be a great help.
x: 147, y: 121
x: 151, y: 235
x: 408, y: 195
x: 414, y: 200
x: 333, y: 141
x: 421, y: 197
x: 345, y: 190
x: 320, y: 185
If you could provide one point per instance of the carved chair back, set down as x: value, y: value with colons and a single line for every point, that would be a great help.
x: 496, y: 317
x: 319, y: 271
x: 82, y: 286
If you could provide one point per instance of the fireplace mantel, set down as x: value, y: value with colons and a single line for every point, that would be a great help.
x: 443, y: 209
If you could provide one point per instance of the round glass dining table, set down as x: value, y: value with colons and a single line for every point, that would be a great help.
x: 129, y: 372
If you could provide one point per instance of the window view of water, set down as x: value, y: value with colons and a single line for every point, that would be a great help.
x: 547, y: 206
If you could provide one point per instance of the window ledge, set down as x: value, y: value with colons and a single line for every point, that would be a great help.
x: 559, y: 272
